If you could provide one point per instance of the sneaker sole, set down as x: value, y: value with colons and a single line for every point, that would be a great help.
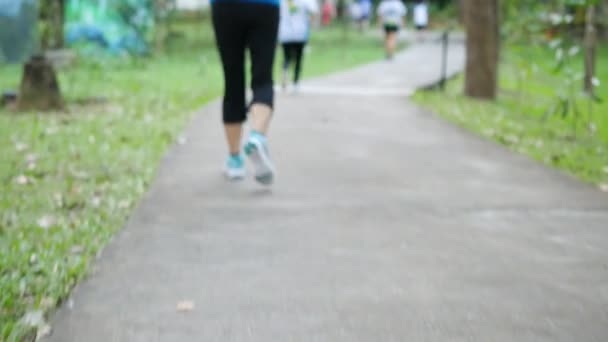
x: 264, y: 170
x: 234, y: 175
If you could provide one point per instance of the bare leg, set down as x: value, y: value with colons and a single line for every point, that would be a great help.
x: 386, y: 45
x: 390, y: 44
x: 260, y: 117
x: 394, y: 43
x: 233, y: 137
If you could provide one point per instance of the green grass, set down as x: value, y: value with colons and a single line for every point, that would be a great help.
x: 519, y: 118
x: 332, y: 48
x: 68, y: 181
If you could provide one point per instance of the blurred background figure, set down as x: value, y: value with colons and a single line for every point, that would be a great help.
x: 354, y: 9
x: 365, y: 7
x: 294, y: 32
x: 328, y: 12
x: 421, y: 17
x: 391, y: 15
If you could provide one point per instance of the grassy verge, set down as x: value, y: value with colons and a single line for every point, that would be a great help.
x: 334, y: 48
x: 69, y: 180
x: 519, y: 119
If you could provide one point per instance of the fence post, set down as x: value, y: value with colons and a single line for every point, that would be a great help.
x: 444, y: 58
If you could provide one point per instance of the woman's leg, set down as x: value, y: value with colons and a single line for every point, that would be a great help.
x: 287, y: 57
x: 262, y: 39
x: 387, y: 35
x: 231, y: 40
x: 299, y: 54
x: 391, y: 39
x: 262, y: 45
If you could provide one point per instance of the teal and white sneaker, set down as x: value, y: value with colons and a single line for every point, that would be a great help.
x: 256, y: 149
x: 235, y: 168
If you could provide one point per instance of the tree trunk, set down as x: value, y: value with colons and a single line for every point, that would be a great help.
x: 482, y: 29
x: 39, y: 86
x: 604, y: 22
x: 52, y: 14
x: 460, y: 10
x: 60, y: 20
x: 590, y: 49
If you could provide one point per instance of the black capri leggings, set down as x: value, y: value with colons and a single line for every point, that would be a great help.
x: 293, y: 52
x: 238, y: 26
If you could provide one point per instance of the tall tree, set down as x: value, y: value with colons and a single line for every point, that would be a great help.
x: 590, y: 49
x: 52, y: 21
x: 604, y: 14
x: 483, y: 40
x: 39, y: 85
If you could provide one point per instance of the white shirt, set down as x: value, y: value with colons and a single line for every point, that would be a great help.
x: 421, y: 14
x: 392, y: 12
x: 295, y: 20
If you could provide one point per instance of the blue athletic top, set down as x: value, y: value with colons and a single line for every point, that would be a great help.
x: 268, y: 2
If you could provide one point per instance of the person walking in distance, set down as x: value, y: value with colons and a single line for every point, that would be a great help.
x: 240, y: 25
x: 366, y: 12
x: 328, y: 12
x: 421, y: 17
x: 391, y: 14
x: 294, y: 32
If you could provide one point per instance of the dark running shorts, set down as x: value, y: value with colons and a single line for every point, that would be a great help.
x: 391, y: 28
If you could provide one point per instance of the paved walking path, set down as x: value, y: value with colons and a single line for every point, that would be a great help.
x: 386, y: 224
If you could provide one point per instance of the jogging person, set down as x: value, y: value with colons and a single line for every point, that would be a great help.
x: 240, y: 25
x: 294, y: 31
x: 421, y: 17
x: 328, y: 12
x: 391, y: 15
x: 366, y: 13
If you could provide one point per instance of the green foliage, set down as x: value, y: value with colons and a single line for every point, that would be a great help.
x: 519, y: 120
x: 68, y: 181
x: 554, y: 25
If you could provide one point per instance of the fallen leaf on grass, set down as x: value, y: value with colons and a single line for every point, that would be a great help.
x: 96, y: 201
x: 77, y: 174
x: 45, y: 222
x: 185, y: 306
x: 604, y: 187
x: 488, y: 132
x: 512, y: 139
x: 51, y: 130
x: 58, y: 198
x: 77, y: 249
x: 33, y: 318
x: 31, y: 158
x: 47, y: 303
x: 22, y: 180
x: 124, y: 204
x: 20, y: 147
x: 43, y: 331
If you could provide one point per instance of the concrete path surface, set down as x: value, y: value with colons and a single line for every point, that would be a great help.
x: 385, y: 224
